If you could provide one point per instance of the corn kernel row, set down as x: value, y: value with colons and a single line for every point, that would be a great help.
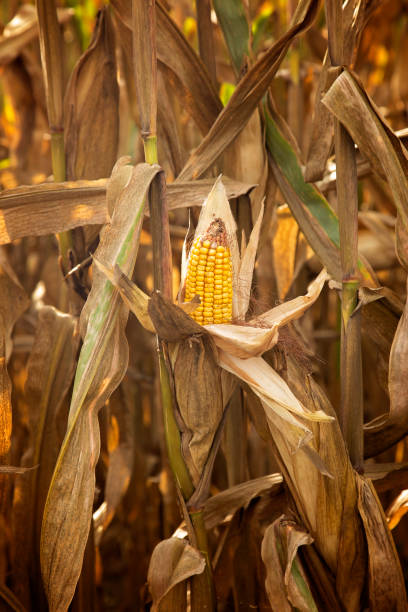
x: 209, y: 275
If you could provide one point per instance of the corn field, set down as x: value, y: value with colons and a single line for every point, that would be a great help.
x: 203, y: 315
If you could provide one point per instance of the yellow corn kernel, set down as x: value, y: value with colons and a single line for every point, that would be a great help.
x: 209, y: 275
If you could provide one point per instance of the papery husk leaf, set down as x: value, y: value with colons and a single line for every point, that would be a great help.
x: 386, y: 588
x: 351, y: 105
x: 243, y: 341
x: 387, y: 429
x: 102, y: 365
x: 246, y: 268
x: 246, y: 96
x: 172, y: 561
x: 224, y: 504
x: 286, y: 581
x: 50, y: 371
x: 92, y: 99
x: 200, y: 401
x: 49, y: 208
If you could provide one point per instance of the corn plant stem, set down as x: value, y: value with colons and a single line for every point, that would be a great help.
x: 203, y: 593
x: 205, y: 37
x: 351, y: 410
x: 58, y: 168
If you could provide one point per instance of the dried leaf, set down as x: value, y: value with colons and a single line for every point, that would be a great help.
x: 246, y: 268
x: 49, y: 208
x: 397, y: 509
x: 350, y: 104
x: 245, y: 98
x: 102, y: 365
x: 286, y: 581
x: 199, y: 397
x: 386, y: 430
x: 386, y: 588
x: 226, y: 503
x: 92, y: 99
x: 172, y: 562
x: 145, y: 63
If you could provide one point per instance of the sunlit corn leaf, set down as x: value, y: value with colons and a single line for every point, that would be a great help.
x: 50, y: 371
x: 246, y: 96
x: 102, y: 365
x: 286, y: 581
x: 173, y: 561
x: 48, y: 208
x: 22, y: 29
x: 383, y: 564
x: 234, y: 25
x: 91, y: 100
x: 219, y: 507
x: 397, y: 509
x: 350, y: 104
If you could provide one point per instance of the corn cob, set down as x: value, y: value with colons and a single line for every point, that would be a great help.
x: 209, y: 275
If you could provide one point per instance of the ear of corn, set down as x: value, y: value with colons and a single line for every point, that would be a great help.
x: 209, y: 275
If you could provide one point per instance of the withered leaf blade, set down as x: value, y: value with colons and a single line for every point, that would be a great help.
x: 102, y: 365
x: 172, y: 562
x: 286, y: 581
x: 386, y: 430
x: 170, y: 321
x: 383, y: 564
x: 247, y: 95
x: 50, y: 371
x: 92, y: 100
x: 145, y: 64
x: 351, y: 105
x: 49, y: 208
x: 218, y: 507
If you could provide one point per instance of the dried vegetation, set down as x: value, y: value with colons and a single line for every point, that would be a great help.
x: 245, y: 451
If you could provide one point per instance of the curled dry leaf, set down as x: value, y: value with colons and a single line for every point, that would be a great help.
x: 383, y: 563
x: 173, y: 561
x: 286, y: 582
x: 102, y: 365
x: 92, y: 100
x: 226, y: 503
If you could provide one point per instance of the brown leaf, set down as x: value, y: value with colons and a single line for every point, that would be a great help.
x: 246, y: 96
x: 170, y: 321
x: 198, y: 389
x: 50, y: 371
x: 92, y: 100
x: 181, y: 67
x: 386, y: 430
x: 101, y: 366
x: 172, y: 562
x: 286, y: 581
x: 348, y: 101
x: 386, y: 587
x: 220, y: 506
x: 48, y: 208
x: 145, y: 64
